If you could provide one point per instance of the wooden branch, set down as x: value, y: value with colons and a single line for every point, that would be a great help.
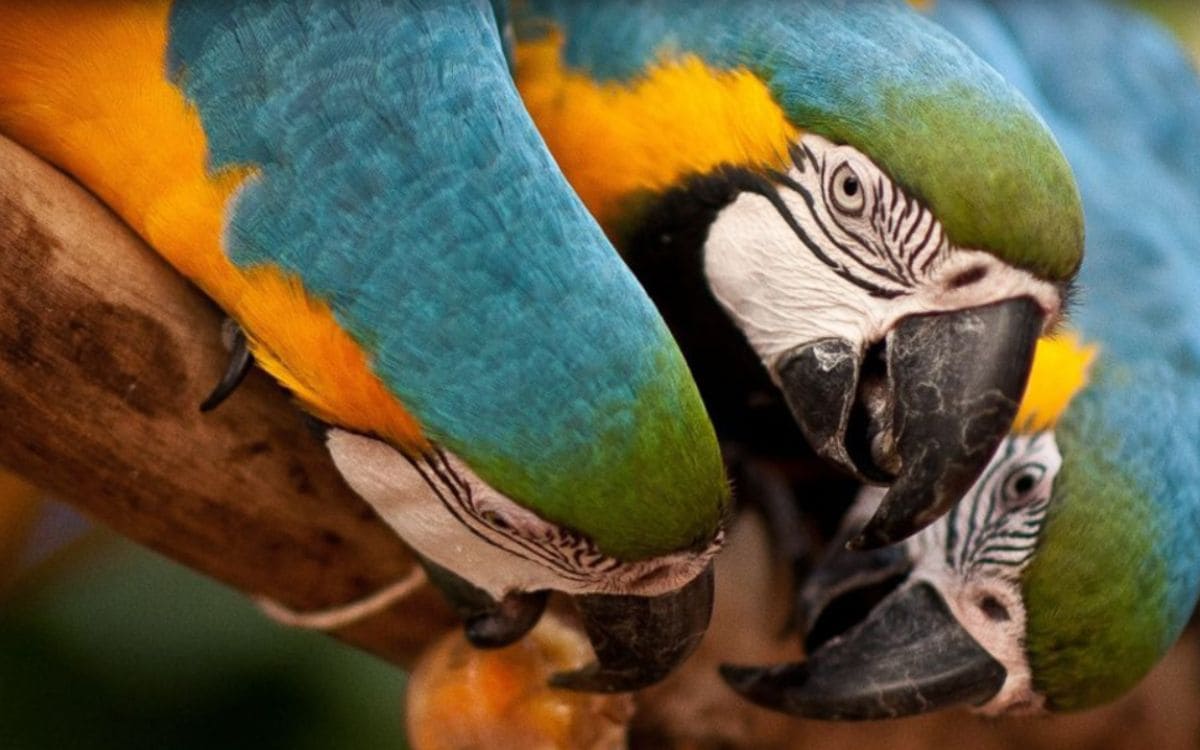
x: 105, y: 355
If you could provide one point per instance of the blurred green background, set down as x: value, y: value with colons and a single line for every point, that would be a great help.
x: 107, y: 645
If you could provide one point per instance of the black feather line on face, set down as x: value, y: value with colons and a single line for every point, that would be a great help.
x: 438, y: 474
x: 815, y: 248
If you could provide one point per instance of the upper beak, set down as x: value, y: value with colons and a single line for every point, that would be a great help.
x: 925, y: 420
x: 639, y: 640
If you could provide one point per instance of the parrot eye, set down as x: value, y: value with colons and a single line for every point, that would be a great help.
x: 495, y: 520
x: 510, y: 521
x: 1023, y: 481
x: 993, y: 609
x: 847, y: 192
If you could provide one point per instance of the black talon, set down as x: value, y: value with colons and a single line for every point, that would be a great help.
x: 316, y: 427
x: 240, y: 362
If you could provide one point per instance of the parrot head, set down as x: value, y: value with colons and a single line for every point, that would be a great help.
x: 884, y: 225
x: 1055, y: 584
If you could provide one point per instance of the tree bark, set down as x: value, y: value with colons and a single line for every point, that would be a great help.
x: 105, y: 355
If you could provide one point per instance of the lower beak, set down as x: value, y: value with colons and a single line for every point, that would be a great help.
x: 929, y: 423
x: 639, y: 640
x: 844, y: 584
x: 909, y: 656
x: 487, y: 623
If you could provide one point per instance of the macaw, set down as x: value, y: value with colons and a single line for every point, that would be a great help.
x: 838, y: 204
x: 1073, y: 564
x: 359, y: 187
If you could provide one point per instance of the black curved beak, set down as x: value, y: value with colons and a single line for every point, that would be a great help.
x: 639, y: 640
x: 909, y: 656
x: 924, y: 415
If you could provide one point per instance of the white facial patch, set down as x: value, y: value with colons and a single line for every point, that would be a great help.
x: 974, y: 556
x: 450, y: 516
x: 840, y: 251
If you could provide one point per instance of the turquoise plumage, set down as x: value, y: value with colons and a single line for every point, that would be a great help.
x: 875, y: 75
x: 1125, y: 119
x: 712, y: 139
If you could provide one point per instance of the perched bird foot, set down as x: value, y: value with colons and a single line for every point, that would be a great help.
x: 240, y: 362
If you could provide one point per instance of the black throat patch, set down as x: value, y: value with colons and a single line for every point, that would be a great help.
x: 662, y: 239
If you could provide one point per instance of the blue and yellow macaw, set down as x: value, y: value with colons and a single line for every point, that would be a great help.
x: 358, y: 185
x: 840, y: 210
x: 1073, y: 564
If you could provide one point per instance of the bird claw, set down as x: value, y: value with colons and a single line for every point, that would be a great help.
x: 240, y: 362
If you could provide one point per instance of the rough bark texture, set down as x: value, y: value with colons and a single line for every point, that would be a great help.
x: 105, y: 354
